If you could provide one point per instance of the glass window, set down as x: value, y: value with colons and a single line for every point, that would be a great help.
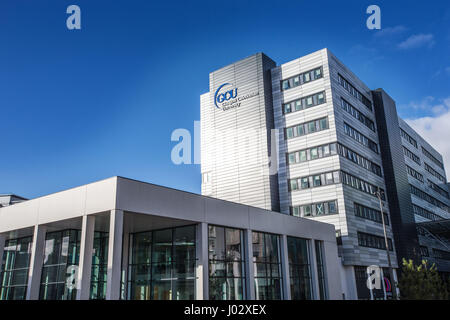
x: 314, y: 153
x: 304, y: 183
x: 303, y: 155
x: 316, y: 181
x: 311, y: 127
x: 162, y: 264
x: 329, y: 178
x: 267, y: 266
x: 294, y: 184
x: 321, y: 274
x: 306, y: 77
x: 307, y: 210
x: 326, y: 150
x: 289, y: 133
x: 292, y: 158
x: 301, y: 129
x: 226, y: 275
x: 323, y: 124
x: 299, y: 269
x: 320, y: 209
x: 332, y: 207
x: 14, y: 270
x: 298, y: 105
x: 61, y: 257
x: 287, y: 108
x: 286, y: 84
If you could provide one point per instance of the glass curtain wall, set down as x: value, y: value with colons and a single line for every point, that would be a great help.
x: 14, y: 269
x: 321, y: 275
x: 299, y: 269
x: 226, y: 263
x: 162, y: 265
x: 99, y: 271
x: 267, y: 266
x: 61, y: 258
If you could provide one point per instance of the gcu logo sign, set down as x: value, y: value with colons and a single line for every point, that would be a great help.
x: 220, y: 97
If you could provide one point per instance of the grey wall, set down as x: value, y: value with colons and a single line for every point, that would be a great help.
x: 398, y: 190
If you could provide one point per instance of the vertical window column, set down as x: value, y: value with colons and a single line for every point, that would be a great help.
x: 321, y: 271
x: 201, y: 270
x: 285, y: 268
x: 85, y: 265
x: 114, y: 255
x: 249, y: 265
x: 36, y: 262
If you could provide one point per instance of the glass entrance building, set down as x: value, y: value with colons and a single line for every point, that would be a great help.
x: 124, y: 239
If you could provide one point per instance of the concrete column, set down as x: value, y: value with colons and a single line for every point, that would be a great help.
x: 114, y: 255
x: 285, y: 268
x: 202, y: 267
x: 314, y: 274
x: 36, y: 262
x: 86, y: 251
x: 125, y: 261
x: 249, y: 265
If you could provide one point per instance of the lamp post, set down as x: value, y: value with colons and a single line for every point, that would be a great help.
x: 391, y: 272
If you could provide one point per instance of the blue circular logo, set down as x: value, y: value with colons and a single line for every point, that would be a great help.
x: 222, y: 96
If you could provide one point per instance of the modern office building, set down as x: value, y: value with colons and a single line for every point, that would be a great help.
x: 310, y: 139
x: 429, y: 196
x: 125, y: 239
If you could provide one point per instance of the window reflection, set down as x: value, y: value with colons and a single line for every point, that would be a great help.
x: 61, y: 257
x: 266, y: 266
x: 226, y: 263
x: 14, y: 270
x: 162, y: 265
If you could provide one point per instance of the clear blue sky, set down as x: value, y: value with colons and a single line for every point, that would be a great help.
x: 79, y: 106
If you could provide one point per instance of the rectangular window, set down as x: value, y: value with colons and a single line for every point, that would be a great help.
x: 321, y: 272
x: 162, y: 264
x: 315, y: 209
x: 361, y: 185
x: 432, y: 158
x: 318, y: 180
x: 226, y: 264
x: 299, y: 269
x: 15, y: 267
x: 373, y: 241
x: 356, y: 135
x: 429, y: 169
x: 354, y: 92
x: 61, y: 256
x: 411, y: 155
x: 267, y: 266
x: 426, y: 213
x: 302, y: 78
x: 408, y: 138
x: 310, y: 127
x: 370, y: 214
x: 428, y: 198
x: 357, y: 114
x: 99, y: 266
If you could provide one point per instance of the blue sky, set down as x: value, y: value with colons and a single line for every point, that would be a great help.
x: 83, y: 105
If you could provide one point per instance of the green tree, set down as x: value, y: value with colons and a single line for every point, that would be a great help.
x: 421, y: 283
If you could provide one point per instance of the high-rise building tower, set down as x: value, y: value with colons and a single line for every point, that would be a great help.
x: 338, y: 143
